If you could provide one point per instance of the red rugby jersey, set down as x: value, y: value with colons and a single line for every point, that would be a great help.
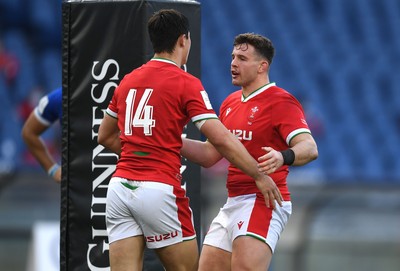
x: 270, y: 116
x: 153, y: 103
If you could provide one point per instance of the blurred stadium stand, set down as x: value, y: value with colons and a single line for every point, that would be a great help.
x: 340, y: 58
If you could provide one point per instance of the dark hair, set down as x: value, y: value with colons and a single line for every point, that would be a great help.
x: 165, y: 27
x: 263, y: 45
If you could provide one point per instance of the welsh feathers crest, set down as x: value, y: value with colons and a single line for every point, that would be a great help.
x: 252, y: 115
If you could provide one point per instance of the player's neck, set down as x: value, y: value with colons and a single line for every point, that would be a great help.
x: 172, y: 57
x: 254, y: 85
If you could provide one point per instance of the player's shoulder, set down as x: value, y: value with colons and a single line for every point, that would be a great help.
x: 55, y: 96
x: 281, y: 93
x: 237, y: 94
x: 52, y: 99
x: 233, y: 97
x: 283, y: 97
x: 49, y: 108
x: 277, y: 90
x: 187, y: 81
x: 172, y: 71
x: 186, y: 75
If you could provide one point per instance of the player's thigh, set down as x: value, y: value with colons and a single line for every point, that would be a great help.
x: 127, y: 254
x: 214, y: 259
x: 249, y: 253
x: 183, y: 256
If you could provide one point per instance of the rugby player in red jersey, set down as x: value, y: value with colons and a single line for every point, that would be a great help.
x: 146, y: 204
x: 271, y: 124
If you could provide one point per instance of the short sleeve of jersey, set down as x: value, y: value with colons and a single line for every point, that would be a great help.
x: 289, y: 118
x: 198, y: 103
x: 112, y: 108
x: 49, y: 109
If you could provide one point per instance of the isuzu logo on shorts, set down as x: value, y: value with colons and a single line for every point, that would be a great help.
x: 161, y: 237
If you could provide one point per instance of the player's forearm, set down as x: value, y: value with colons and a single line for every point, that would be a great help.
x: 113, y: 143
x: 31, y: 134
x: 230, y: 147
x: 199, y: 152
x: 39, y: 150
x: 234, y: 151
x: 109, y: 133
x: 305, y: 152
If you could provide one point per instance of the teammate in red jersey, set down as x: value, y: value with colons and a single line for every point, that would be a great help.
x: 271, y: 124
x: 144, y: 123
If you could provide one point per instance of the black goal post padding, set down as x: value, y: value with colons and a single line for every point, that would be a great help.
x: 103, y: 41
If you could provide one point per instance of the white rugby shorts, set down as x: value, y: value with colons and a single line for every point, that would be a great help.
x: 158, y: 211
x: 247, y: 215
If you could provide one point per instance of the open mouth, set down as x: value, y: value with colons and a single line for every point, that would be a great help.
x: 234, y: 74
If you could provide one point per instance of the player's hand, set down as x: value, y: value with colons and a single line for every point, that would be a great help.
x: 269, y: 190
x: 271, y: 161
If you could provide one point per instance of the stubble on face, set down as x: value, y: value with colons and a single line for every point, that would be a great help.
x: 242, y: 66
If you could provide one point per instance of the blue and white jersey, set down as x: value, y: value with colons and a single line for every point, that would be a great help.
x: 49, y: 109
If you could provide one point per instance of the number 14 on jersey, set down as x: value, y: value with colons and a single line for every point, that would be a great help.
x: 142, y: 116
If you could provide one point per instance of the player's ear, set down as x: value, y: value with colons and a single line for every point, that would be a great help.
x: 187, y: 36
x: 182, y: 40
x: 264, y: 66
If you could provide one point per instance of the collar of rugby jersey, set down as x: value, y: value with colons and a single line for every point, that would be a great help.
x: 163, y: 60
x: 258, y: 91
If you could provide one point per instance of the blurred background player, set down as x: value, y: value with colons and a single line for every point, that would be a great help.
x: 46, y: 113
